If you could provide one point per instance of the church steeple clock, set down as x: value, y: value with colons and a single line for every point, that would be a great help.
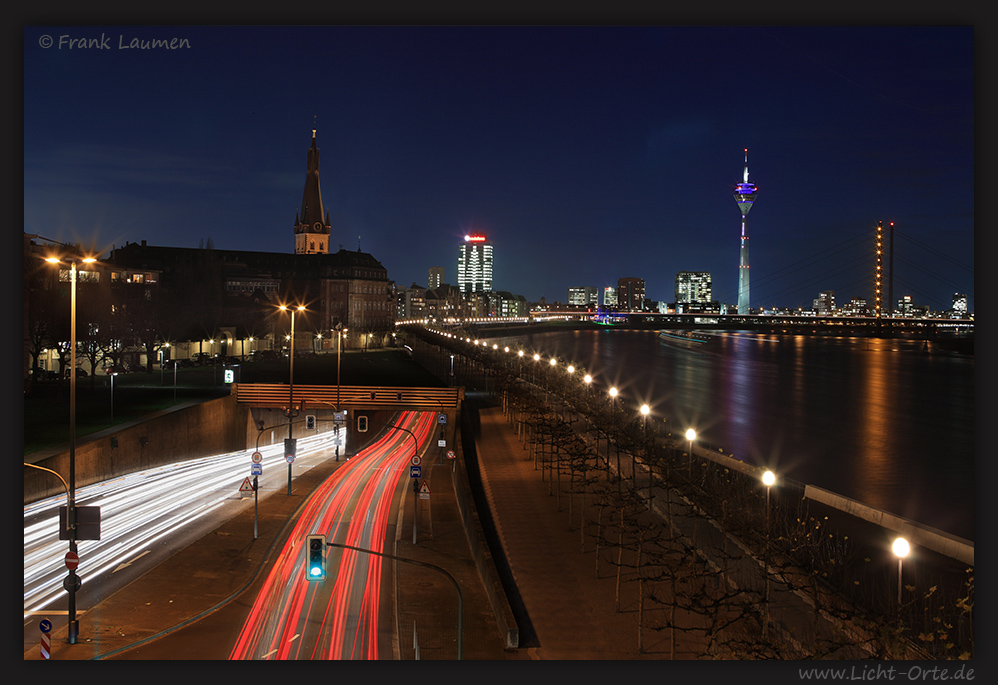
x: 311, y: 224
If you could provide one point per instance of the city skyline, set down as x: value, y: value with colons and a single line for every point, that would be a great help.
x: 582, y: 152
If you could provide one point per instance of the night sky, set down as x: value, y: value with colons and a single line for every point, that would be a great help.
x: 584, y: 153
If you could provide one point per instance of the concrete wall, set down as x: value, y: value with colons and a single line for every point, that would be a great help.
x: 202, y: 429
x: 482, y: 556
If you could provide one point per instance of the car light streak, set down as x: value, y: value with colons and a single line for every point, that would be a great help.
x: 336, y: 618
x: 138, y: 511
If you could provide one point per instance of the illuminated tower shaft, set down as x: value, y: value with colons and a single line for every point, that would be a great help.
x: 744, y: 196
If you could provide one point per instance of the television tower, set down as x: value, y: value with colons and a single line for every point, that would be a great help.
x: 744, y: 196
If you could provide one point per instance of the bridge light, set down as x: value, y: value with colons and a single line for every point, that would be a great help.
x: 316, y: 551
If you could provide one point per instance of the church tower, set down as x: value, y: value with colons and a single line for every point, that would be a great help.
x: 311, y: 224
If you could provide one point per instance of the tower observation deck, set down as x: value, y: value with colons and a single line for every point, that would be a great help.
x: 744, y: 195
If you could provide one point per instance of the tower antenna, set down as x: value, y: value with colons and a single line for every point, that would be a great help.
x: 744, y: 195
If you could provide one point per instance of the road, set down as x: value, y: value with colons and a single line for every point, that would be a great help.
x: 341, y: 617
x: 145, y: 517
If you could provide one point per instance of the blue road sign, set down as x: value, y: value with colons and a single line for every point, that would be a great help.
x: 256, y: 469
x: 45, y: 625
x: 415, y: 471
x: 441, y: 418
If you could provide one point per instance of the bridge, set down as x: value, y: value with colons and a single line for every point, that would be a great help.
x: 340, y: 397
x: 919, y: 328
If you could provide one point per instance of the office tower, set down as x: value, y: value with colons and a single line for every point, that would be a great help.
x: 824, y: 304
x: 693, y: 287
x: 609, y: 296
x: 474, y: 264
x: 744, y: 196
x: 631, y: 293
x: 311, y: 228
x: 586, y: 295
x: 436, y: 277
x: 959, y: 306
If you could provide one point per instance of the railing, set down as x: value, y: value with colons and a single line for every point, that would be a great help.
x: 331, y: 396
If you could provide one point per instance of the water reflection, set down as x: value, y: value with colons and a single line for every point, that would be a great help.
x: 879, y: 420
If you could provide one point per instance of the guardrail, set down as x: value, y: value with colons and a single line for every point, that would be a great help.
x: 331, y: 396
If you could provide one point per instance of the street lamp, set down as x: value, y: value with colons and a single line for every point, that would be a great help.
x: 691, y: 435
x: 72, y: 623
x: 113, y: 374
x: 339, y: 345
x: 291, y: 377
x: 901, y: 549
x: 768, y: 478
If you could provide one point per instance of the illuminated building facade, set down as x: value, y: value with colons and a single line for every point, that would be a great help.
x: 312, y: 227
x: 744, y: 195
x: 586, y: 295
x: 474, y: 264
x: 631, y: 293
x: 609, y: 296
x: 435, y: 278
x: 959, y: 306
x: 693, y: 286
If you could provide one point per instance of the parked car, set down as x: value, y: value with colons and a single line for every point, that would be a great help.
x: 111, y: 368
x: 201, y: 358
x: 80, y: 373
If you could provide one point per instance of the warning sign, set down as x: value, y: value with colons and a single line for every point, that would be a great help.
x: 424, y: 491
x: 247, y: 487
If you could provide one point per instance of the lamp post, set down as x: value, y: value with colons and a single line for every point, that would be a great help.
x: 113, y: 374
x: 901, y: 549
x: 72, y: 623
x: 691, y: 435
x: 613, y: 418
x: 768, y: 478
x: 291, y: 378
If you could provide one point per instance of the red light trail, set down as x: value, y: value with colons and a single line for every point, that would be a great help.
x: 293, y: 618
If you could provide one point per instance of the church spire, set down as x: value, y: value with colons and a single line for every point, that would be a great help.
x: 312, y: 225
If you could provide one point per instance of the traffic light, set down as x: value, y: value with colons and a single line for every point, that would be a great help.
x: 362, y: 424
x: 316, y: 550
x: 290, y: 447
x: 310, y: 422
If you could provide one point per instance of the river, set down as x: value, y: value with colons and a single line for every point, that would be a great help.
x: 887, y: 422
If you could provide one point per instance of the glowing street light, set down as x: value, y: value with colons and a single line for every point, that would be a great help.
x: 73, y: 624
x: 768, y: 478
x: 691, y: 435
x: 900, y: 549
x: 291, y: 378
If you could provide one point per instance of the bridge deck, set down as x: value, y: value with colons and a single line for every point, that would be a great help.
x: 334, y: 397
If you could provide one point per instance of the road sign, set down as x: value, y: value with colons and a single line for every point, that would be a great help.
x: 450, y: 454
x: 415, y: 460
x: 441, y: 418
x: 424, y: 491
x: 46, y: 646
x: 415, y: 471
x: 256, y: 469
x: 289, y: 458
x: 72, y: 560
x: 45, y: 625
x: 73, y: 579
x: 257, y: 457
x: 246, y: 487
x: 441, y: 443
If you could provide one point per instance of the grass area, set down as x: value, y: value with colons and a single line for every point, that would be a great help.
x: 136, y: 395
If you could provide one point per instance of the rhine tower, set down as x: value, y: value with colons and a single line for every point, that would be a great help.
x: 744, y: 196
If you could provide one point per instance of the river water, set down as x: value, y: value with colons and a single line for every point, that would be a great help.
x: 887, y: 422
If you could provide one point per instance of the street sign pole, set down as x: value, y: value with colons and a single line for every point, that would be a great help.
x: 415, y: 509
x: 256, y: 505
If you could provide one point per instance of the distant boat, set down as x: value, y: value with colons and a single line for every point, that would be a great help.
x: 683, y: 336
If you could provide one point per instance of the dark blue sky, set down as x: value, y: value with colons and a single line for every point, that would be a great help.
x: 586, y: 154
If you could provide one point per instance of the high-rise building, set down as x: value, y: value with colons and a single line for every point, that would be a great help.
x: 609, y: 296
x: 312, y: 228
x: 474, y: 264
x: 585, y: 295
x: 824, y: 304
x: 631, y: 293
x: 693, y: 287
x: 959, y: 306
x: 436, y: 277
x: 744, y: 195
